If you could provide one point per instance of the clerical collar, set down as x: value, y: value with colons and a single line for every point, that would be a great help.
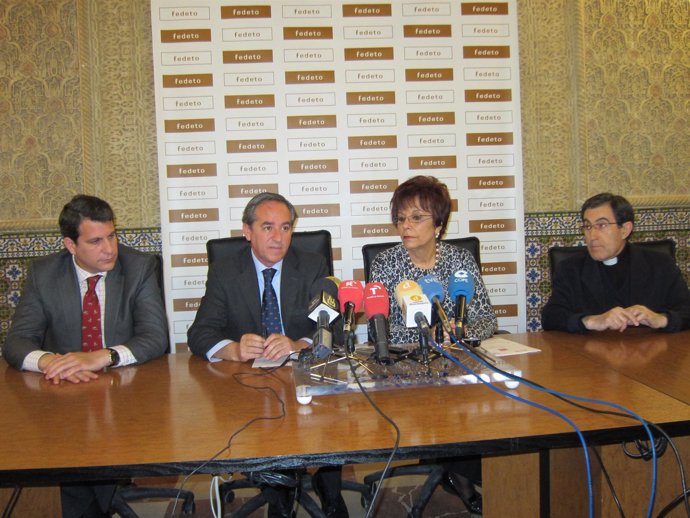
x: 611, y: 262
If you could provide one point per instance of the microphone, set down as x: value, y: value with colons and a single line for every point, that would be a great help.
x: 376, y: 308
x: 461, y: 289
x: 350, y: 295
x: 433, y: 289
x: 323, y: 309
x: 414, y: 305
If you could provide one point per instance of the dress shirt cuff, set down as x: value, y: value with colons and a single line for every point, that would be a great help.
x: 213, y: 350
x: 30, y: 362
x: 126, y: 356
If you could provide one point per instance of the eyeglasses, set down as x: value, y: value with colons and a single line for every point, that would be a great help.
x: 415, y: 219
x: 601, y: 226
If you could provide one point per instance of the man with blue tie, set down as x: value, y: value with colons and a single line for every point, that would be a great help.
x: 256, y: 305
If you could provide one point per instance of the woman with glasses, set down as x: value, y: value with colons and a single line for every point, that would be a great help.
x: 420, y: 209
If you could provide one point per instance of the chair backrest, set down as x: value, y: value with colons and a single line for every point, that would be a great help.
x: 558, y: 254
x: 316, y: 242
x: 370, y: 251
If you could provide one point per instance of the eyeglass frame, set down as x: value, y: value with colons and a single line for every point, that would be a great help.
x: 415, y: 219
x: 601, y: 226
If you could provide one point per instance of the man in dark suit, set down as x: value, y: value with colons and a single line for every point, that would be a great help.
x: 615, y: 285
x: 50, y: 334
x: 232, y: 321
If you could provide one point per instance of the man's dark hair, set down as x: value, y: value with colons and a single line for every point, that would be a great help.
x: 249, y: 214
x: 622, y: 210
x: 80, y: 207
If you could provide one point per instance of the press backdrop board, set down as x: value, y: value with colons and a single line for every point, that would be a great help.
x: 334, y: 104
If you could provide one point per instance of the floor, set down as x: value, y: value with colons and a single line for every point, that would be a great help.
x: 394, y: 501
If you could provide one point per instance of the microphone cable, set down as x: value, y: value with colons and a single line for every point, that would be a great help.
x: 625, y: 412
x: 271, y: 391
x: 387, y: 467
x: 530, y: 403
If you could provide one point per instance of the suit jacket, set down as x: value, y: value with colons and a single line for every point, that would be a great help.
x: 48, y: 316
x: 580, y: 289
x: 231, y: 306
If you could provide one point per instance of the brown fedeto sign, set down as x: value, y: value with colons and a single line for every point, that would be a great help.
x: 486, y: 52
x: 365, y: 10
x: 187, y: 80
x: 311, y: 121
x: 506, y: 310
x: 188, y: 260
x: 329, y: 165
x: 185, y: 35
x: 250, y: 101
x: 299, y: 77
x: 325, y: 210
x: 245, y: 11
x: 192, y: 215
x: 491, y: 182
x: 369, y: 54
x: 374, y: 230
x: 501, y: 95
x: 189, y: 125
x: 372, y: 142
x: 433, y: 162
x: 246, y: 57
x: 489, y: 139
x: 430, y: 118
x: 428, y: 74
x: 499, y: 268
x: 364, y: 98
x: 191, y: 170
x: 427, y: 31
x: 251, y: 190
x: 483, y: 8
x: 267, y: 145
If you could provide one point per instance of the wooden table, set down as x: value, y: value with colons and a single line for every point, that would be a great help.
x: 172, y: 415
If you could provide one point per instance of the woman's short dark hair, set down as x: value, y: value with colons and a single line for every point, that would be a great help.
x: 80, y: 207
x: 431, y: 194
x: 622, y: 210
x: 249, y: 214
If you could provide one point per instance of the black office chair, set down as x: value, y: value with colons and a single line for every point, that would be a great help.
x: 436, y: 474
x: 316, y: 242
x: 558, y: 254
x: 132, y: 492
x: 370, y: 251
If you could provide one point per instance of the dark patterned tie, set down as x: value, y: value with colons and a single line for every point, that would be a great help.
x: 270, y: 314
x: 91, y: 339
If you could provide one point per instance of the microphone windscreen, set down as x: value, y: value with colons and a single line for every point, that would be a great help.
x: 432, y: 287
x: 335, y: 280
x: 461, y: 283
x: 406, y: 288
x: 350, y: 291
x: 326, y: 284
x: 376, y: 300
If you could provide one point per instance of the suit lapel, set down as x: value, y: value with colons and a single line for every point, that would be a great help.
x: 248, y: 287
x: 591, y: 278
x: 114, y: 286
x: 70, y: 301
x: 289, y: 288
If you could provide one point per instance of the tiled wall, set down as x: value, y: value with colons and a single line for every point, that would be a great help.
x: 542, y: 232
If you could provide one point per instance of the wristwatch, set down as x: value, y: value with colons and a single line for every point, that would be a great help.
x: 114, y: 357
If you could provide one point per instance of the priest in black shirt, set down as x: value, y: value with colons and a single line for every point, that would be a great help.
x: 617, y: 284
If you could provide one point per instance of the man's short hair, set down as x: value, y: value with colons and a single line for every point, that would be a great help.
x: 622, y: 210
x: 80, y: 207
x: 249, y: 214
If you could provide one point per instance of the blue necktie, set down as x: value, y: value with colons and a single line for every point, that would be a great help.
x: 270, y: 313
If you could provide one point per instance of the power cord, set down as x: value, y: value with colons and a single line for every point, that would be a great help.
x: 387, y: 467
x: 237, y: 377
